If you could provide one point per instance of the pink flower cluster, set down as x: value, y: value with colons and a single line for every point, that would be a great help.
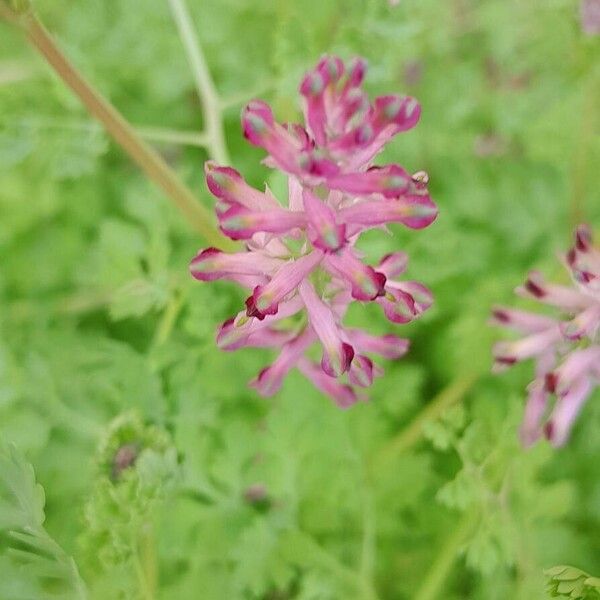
x: 300, y: 262
x: 590, y: 16
x: 566, y: 348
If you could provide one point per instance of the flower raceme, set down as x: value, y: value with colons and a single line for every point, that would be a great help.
x: 300, y: 262
x: 566, y: 348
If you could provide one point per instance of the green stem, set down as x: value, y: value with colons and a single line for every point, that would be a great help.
x: 156, y: 134
x: 583, y: 150
x: 369, y: 538
x: 409, y: 436
x: 240, y: 98
x: 300, y: 543
x: 146, y: 563
x: 122, y: 132
x: 211, y: 104
x: 173, y: 136
x: 437, y: 574
x: 167, y: 322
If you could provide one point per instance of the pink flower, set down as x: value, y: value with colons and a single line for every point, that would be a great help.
x: 300, y: 263
x: 590, y: 16
x: 566, y: 348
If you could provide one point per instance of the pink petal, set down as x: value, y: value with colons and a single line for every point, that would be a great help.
x: 361, y: 371
x: 239, y: 223
x: 398, y: 306
x: 237, y: 332
x: 531, y: 428
x: 390, y: 181
x: 327, y: 235
x: 586, y: 323
x: 367, y: 284
x: 390, y: 116
x: 576, y: 366
x: 590, y: 16
x: 260, y: 129
x: 393, y: 264
x: 295, y: 202
x: 337, y: 355
x: 413, y: 210
x: 265, y: 299
x: 343, y: 395
x: 229, y: 186
x: 388, y: 346
x: 211, y: 264
x: 313, y: 88
x: 533, y: 345
x: 269, y: 380
x: 555, y: 295
x: 520, y: 320
x: 565, y: 412
x: 421, y: 295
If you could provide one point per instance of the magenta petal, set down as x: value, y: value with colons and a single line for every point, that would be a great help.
x: 327, y: 234
x: 413, y: 210
x: 211, y: 264
x: 535, y: 344
x: 421, y: 295
x: 244, y: 331
x: 398, y: 306
x: 337, y: 355
x: 295, y: 202
x: 560, y: 296
x: 521, y: 320
x: 343, y: 395
x: 531, y: 428
x: 402, y: 113
x: 390, y: 181
x: 361, y: 371
x: 257, y: 122
x: 576, y: 366
x: 565, y: 412
x: 393, y: 264
x: 388, y: 346
x: 229, y: 186
x: 583, y: 238
x: 265, y: 299
x: 357, y: 69
x: 586, y: 323
x: 269, y: 380
x: 313, y: 88
x: 260, y: 129
x: 239, y: 223
x: 334, y: 363
x: 367, y: 284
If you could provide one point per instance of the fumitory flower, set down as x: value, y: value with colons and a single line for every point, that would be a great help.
x: 565, y: 347
x: 299, y: 261
x: 590, y: 16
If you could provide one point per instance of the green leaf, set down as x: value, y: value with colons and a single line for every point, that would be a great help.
x: 35, y: 563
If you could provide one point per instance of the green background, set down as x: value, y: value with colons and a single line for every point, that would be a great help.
x: 106, y: 341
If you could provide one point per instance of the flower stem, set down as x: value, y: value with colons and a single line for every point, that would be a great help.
x: 211, y: 104
x: 121, y: 131
x: 155, y: 134
x: 443, y: 562
x: 581, y: 162
x: 299, y: 543
x: 409, y: 436
x: 146, y: 566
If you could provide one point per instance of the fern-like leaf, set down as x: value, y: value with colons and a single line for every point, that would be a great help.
x: 35, y: 565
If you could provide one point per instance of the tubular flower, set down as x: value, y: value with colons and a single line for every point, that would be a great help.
x: 566, y: 348
x: 300, y: 263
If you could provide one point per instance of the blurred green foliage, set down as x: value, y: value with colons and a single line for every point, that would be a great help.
x: 164, y: 476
